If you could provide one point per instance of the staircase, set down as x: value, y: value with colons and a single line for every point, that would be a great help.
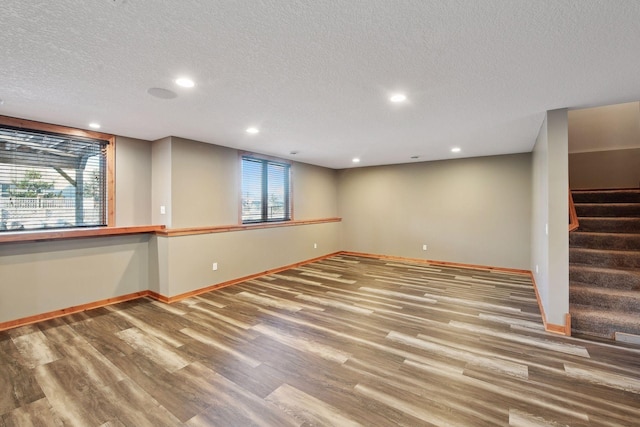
x: 604, y: 264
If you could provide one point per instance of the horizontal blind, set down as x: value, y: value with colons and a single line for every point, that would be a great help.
x: 265, y: 190
x: 277, y: 191
x: 252, y: 205
x: 51, y: 181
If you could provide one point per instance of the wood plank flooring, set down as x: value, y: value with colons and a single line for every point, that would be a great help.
x: 346, y: 341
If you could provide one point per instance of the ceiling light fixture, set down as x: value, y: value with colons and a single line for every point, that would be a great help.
x: 253, y: 130
x: 356, y: 160
x: 185, y: 82
x: 398, y: 97
x: 455, y: 150
x: 94, y: 125
x: 161, y: 93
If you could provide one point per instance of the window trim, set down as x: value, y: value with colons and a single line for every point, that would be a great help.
x: 263, y: 157
x: 63, y: 130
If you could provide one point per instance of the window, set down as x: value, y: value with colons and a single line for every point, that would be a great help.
x: 265, y: 190
x: 54, y: 177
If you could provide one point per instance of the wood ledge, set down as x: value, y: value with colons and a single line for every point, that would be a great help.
x: 76, y: 233
x: 171, y: 232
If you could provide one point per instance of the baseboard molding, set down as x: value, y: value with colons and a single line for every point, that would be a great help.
x: 551, y: 327
x: 163, y: 298
x: 71, y: 310
x: 441, y: 263
x: 180, y: 297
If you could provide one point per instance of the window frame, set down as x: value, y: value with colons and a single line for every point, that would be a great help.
x: 110, y: 197
x: 288, y: 195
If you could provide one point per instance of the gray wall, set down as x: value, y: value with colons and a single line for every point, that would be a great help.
x: 474, y: 211
x: 160, y: 181
x: 241, y: 253
x: 315, y: 191
x: 40, y: 277
x: 549, y: 225
x: 133, y: 181
x: 205, y: 184
x: 197, y: 183
x: 605, y: 169
x: 205, y: 191
x: 611, y: 127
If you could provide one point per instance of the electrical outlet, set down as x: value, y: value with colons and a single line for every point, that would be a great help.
x: 214, y: 267
x: 424, y: 247
x: 163, y: 210
x: 315, y: 246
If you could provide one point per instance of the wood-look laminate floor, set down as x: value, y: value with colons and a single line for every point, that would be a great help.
x: 346, y: 341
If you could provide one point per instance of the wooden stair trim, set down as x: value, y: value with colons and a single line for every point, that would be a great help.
x: 573, y: 216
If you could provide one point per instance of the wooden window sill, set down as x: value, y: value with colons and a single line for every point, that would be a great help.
x: 43, y: 235
x: 170, y: 232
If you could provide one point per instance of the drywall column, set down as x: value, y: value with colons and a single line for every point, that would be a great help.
x: 550, y: 242
x: 161, y: 182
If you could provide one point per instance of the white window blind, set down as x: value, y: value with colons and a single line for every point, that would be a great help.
x: 265, y: 190
x: 51, y: 180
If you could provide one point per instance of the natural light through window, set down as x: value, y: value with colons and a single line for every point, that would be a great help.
x: 51, y: 181
x: 265, y: 190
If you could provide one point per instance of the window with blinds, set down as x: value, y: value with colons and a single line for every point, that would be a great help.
x: 50, y: 180
x: 265, y: 190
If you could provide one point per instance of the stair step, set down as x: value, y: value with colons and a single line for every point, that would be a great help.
x: 604, y: 258
x: 614, y: 241
x: 605, y: 277
x: 606, y: 196
x: 604, y: 298
x: 602, y: 322
x: 610, y: 225
x: 608, y: 209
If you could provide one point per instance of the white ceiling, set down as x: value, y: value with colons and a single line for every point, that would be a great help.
x: 315, y: 75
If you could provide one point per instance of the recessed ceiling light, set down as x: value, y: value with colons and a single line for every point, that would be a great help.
x: 355, y: 160
x: 185, y: 82
x: 455, y: 150
x: 253, y: 130
x: 398, y: 97
x: 94, y: 125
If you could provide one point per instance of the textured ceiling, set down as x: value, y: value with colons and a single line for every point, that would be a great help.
x: 315, y: 76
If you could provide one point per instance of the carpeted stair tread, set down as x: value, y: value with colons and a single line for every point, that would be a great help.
x: 605, y: 298
x: 604, y: 263
x: 614, y: 241
x: 605, y: 258
x: 618, y: 278
x: 609, y: 225
x: 603, y: 322
x: 608, y: 209
x: 606, y: 196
